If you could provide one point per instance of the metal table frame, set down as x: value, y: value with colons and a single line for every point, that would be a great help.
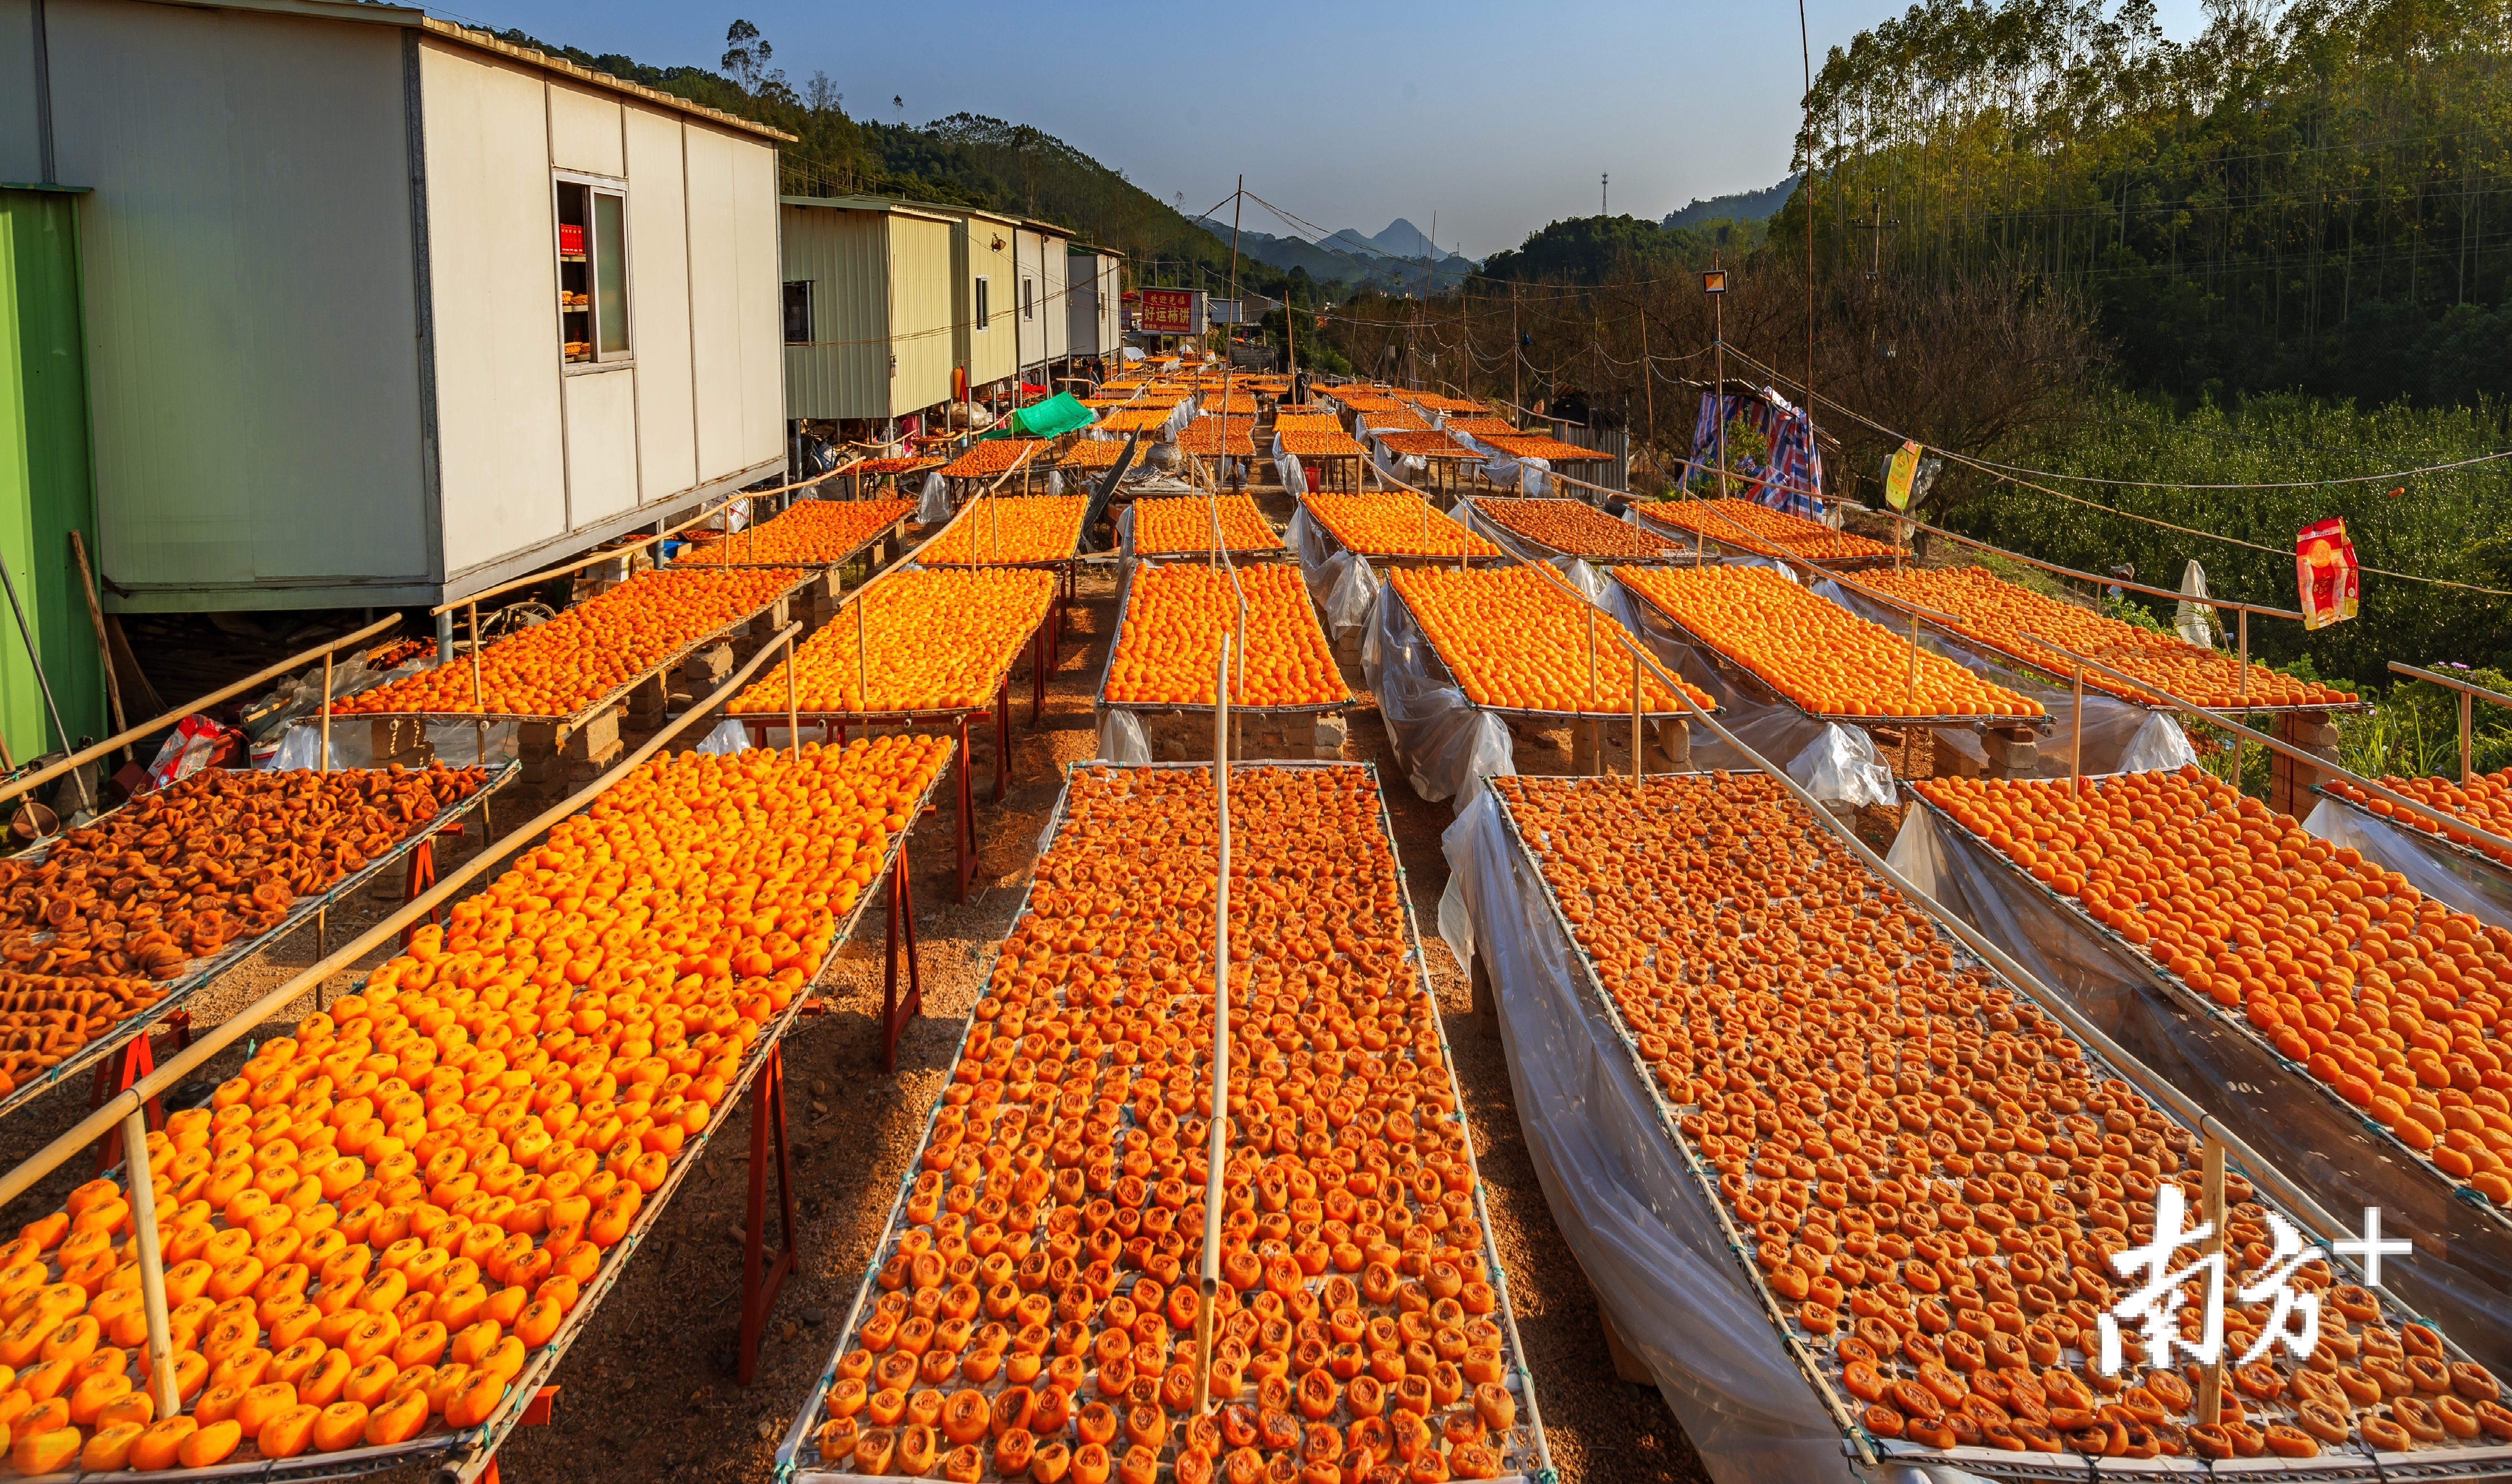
x: 1822, y: 1373
x: 789, y: 1465
x: 129, y: 1035
x: 2194, y: 1003
x: 1045, y: 645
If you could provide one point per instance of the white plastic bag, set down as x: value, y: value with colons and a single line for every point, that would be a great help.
x: 934, y: 506
x: 1842, y: 769
x: 1350, y: 593
x: 726, y: 738
x: 1122, y: 739
x: 2160, y: 745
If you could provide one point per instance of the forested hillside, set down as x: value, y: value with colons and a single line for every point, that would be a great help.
x: 2309, y: 197
x: 963, y: 160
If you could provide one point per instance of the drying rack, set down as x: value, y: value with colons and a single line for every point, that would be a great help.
x: 797, y: 1456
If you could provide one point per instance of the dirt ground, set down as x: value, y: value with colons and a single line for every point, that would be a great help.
x: 649, y: 1392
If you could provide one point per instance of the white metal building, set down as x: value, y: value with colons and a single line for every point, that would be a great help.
x: 868, y: 307
x: 382, y: 311
x: 1094, y: 311
x: 983, y: 290
x: 1044, y: 328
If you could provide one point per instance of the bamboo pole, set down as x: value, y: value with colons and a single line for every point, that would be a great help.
x: 37, y: 779
x: 104, y: 643
x: 1216, y: 1149
x: 129, y: 1108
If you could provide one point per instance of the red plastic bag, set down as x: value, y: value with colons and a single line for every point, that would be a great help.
x: 2325, y: 573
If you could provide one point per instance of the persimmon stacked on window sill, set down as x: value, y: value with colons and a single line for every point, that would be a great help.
x: 936, y: 641
x: 2486, y: 804
x: 2391, y: 1001
x: 1929, y: 1174
x: 1008, y: 529
x: 592, y: 650
x: 811, y: 531
x: 384, y: 1215
x: 1170, y: 645
x: 1183, y: 526
x: 1394, y: 525
x: 1819, y: 654
x: 1043, y: 1275
x: 1515, y: 641
x: 1999, y: 613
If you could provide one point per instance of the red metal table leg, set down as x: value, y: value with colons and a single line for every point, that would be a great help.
x: 537, y: 1414
x: 895, y: 1012
x: 1002, y: 736
x: 114, y: 1075
x: 1037, y: 665
x: 420, y: 875
x: 763, y: 1278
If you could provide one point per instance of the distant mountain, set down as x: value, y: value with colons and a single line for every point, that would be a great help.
x: 1359, y: 261
x: 1742, y: 205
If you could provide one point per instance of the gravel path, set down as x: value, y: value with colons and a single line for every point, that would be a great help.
x: 648, y: 1389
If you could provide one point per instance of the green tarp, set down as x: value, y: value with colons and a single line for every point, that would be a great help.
x: 1054, y: 418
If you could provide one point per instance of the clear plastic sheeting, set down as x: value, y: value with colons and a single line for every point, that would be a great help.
x: 2120, y: 737
x: 1446, y: 745
x: 454, y: 743
x: 1122, y: 739
x: 2429, y: 864
x: 1339, y: 582
x: 1527, y: 475
x: 933, y: 506
x: 1840, y: 765
x: 1287, y: 467
x: 2462, y: 1270
x: 1628, y: 1210
x: 725, y: 738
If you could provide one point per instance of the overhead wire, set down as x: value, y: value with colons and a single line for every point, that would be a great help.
x: 2014, y: 477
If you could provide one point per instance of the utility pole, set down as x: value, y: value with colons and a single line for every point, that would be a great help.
x: 1602, y: 196
x: 1805, y: 177
x: 1514, y: 352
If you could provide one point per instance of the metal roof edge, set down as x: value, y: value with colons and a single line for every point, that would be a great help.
x: 485, y: 42
x: 887, y: 203
x: 380, y: 13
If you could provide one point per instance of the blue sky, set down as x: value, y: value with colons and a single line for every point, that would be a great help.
x: 1497, y: 117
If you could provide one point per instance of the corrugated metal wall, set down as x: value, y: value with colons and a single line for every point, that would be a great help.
x: 920, y: 311
x: 986, y: 350
x: 252, y: 374
x: 845, y: 257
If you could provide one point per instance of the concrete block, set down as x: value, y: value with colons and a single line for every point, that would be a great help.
x: 536, y: 739
x: 599, y: 734
x: 1950, y: 763
x: 1331, y: 731
x: 2012, y: 754
x: 776, y: 616
x: 648, y: 698
x: 593, y: 764
x: 705, y: 669
x: 1669, y: 746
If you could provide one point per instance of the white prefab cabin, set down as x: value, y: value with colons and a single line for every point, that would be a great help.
x: 382, y: 311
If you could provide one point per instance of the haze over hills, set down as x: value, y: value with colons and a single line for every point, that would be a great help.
x: 1375, y: 263
x: 1741, y: 206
